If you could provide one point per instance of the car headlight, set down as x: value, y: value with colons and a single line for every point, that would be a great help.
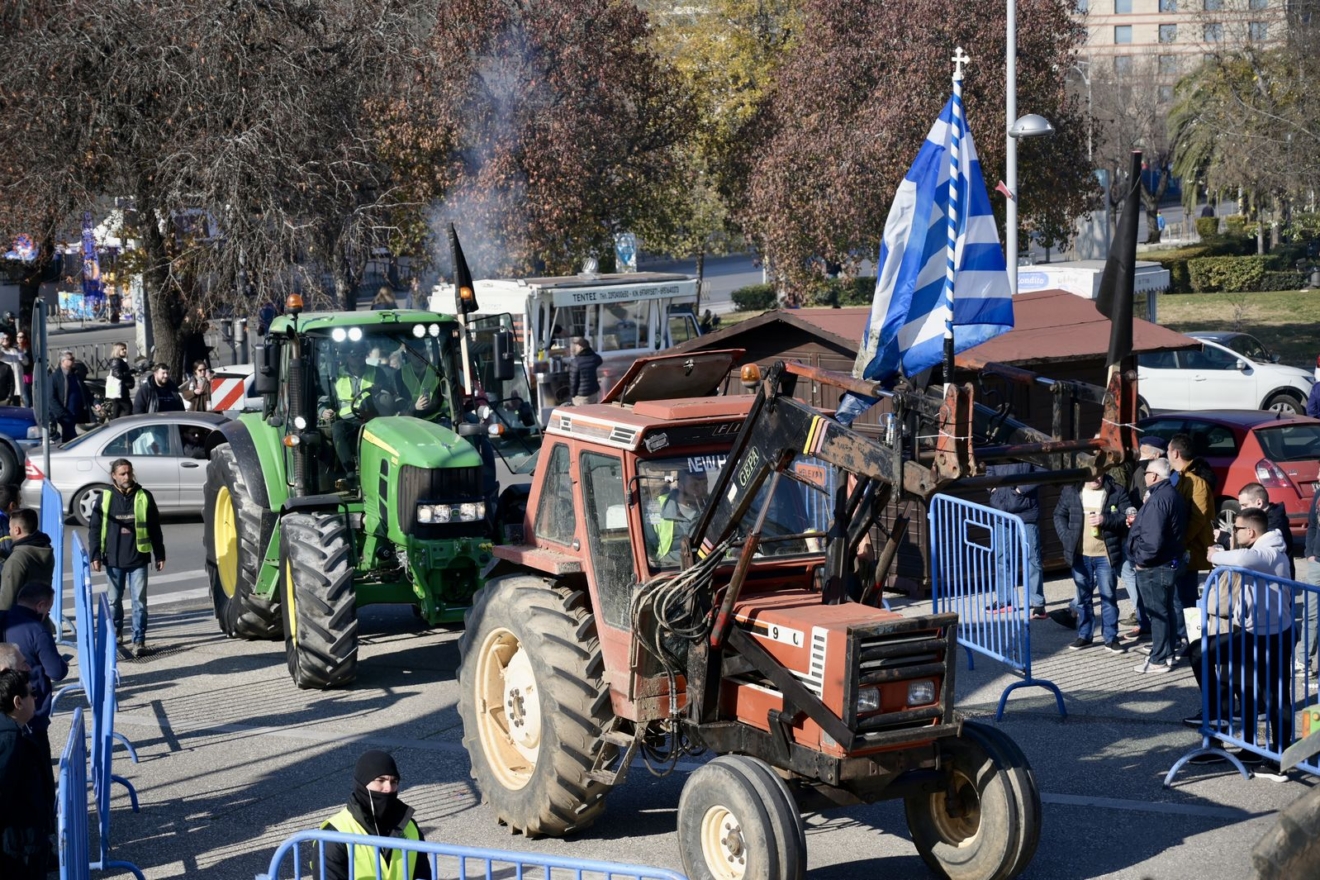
x: 868, y: 699
x: 920, y: 693
x: 34, y: 432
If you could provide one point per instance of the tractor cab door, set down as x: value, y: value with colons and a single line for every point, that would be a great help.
x: 495, y: 348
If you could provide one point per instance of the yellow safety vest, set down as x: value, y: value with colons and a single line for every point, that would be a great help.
x: 418, y: 385
x: 140, y: 534
x: 347, y: 387
x: 664, y: 529
x: 364, y: 857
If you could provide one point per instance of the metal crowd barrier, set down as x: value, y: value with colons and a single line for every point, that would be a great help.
x: 1248, y: 676
x: 461, y: 862
x: 978, y: 562
x: 51, y: 522
x: 83, y: 626
x: 74, y: 845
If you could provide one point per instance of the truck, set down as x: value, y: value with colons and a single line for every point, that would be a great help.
x: 624, y: 316
x: 366, y: 476
x: 678, y: 590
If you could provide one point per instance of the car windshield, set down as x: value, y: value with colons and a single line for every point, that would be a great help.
x: 1249, y: 347
x: 1290, y: 442
x: 411, y: 367
x: 674, y: 491
x: 98, y: 431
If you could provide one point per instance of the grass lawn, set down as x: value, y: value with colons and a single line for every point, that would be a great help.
x: 1287, y: 322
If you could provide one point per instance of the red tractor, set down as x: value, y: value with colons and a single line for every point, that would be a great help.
x: 684, y: 584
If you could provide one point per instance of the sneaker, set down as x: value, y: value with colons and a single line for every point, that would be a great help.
x: 1207, y: 758
x: 1270, y: 772
x: 999, y: 608
x: 139, y: 649
x: 1193, y: 721
x: 1064, y: 617
x: 1130, y: 620
x: 1152, y: 668
x: 1078, y: 644
x: 1038, y: 613
x: 1248, y: 759
x: 1114, y: 646
x: 1138, y: 634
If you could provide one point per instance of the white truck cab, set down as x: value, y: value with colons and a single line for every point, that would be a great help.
x: 624, y: 316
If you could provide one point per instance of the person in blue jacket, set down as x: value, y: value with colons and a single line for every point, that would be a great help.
x: 1023, y: 500
x: 1155, y: 546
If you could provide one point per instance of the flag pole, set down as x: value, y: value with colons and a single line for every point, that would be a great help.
x: 956, y: 127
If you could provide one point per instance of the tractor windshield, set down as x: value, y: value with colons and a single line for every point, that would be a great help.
x: 674, y: 491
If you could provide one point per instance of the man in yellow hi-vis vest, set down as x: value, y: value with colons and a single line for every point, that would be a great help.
x: 354, y: 377
x: 679, y: 509
x: 374, y: 808
x: 123, y: 532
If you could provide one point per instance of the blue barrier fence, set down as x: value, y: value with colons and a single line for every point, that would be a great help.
x: 82, y: 626
x: 451, y: 861
x: 978, y: 561
x: 74, y: 841
x: 51, y: 522
x: 1250, y: 635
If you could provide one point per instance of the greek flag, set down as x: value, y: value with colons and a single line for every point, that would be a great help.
x: 908, y: 316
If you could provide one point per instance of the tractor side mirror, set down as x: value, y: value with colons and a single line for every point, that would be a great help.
x: 504, y: 353
x: 265, y: 381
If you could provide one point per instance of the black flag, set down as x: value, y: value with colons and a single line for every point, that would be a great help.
x: 465, y: 296
x: 1116, y: 284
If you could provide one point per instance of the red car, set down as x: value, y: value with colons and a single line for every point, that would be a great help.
x: 1281, y: 451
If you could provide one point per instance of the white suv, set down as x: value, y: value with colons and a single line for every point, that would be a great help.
x: 1230, y: 371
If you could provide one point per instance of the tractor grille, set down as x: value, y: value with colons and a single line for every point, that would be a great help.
x: 901, y: 651
x: 450, y: 485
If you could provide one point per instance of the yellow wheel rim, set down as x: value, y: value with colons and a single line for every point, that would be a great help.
x: 224, y: 530
x: 289, y: 603
x: 722, y: 844
x: 508, y: 704
x: 957, y: 830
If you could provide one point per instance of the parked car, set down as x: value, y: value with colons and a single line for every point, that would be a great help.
x: 1281, y: 451
x: 155, y: 443
x: 1231, y: 370
x: 18, y: 433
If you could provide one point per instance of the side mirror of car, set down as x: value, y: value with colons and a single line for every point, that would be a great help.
x: 1240, y: 366
x: 1274, y: 358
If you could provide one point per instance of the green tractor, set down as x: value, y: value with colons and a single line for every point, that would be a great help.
x: 368, y: 477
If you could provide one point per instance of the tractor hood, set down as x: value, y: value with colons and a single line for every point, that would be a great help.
x: 416, y: 442
x: 667, y: 376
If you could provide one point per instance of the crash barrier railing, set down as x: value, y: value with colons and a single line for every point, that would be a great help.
x: 978, y: 563
x: 104, y: 704
x: 51, y: 522
x: 1249, y: 637
x: 462, y: 862
x: 74, y: 844
x: 83, y: 626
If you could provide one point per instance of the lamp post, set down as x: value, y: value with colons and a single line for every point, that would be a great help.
x: 1027, y: 126
x: 1083, y: 69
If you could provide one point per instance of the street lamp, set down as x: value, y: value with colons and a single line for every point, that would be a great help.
x: 1083, y: 69
x: 1028, y: 126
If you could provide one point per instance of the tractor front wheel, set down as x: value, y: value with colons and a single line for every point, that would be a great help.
x: 316, y: 589
x: 236, y: 532
x: 533, y: 703
x: 984, y: 822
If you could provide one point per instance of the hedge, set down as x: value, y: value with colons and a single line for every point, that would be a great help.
x: 1175, y: 260
x: 836, y: 292
x: 1236, y: 224
x: 1226, y: 274
x: 1207, y: 226
x: 1284, y: 281
x: 755, y: 298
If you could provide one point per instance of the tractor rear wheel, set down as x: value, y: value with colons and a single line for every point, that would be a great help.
x: 1291, y: 847
x: 983, y: 823
x: 237, y: 531
x: 316, y: 589
x: 533, y: 703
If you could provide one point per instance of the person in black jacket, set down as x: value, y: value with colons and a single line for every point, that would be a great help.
x: 25, y: 807
x: 1150, y: 448
x: 70, y: 401
x: 158, y: 393
x: 582, y: 381
x: 123, y: 532
x: 119, y: 383
x: 373, y: 808
x: 1025, y: 502
x: 1155, y: 546
x: 1091, y: 521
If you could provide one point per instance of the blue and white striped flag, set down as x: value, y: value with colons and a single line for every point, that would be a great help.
x: 907, y: 323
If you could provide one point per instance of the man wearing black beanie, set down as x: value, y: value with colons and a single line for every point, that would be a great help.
x: 374, y: 808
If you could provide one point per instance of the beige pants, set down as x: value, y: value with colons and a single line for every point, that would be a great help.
x: 578, y: 400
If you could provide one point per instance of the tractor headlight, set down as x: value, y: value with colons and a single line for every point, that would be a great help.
x: 419, y: 330
x: 425, y: 513
x: 300, y: 423
x: 921, y: 692
x: 472, y: 512
x: 446, y: 513
x: 868, y: 700
x: 354, y: 334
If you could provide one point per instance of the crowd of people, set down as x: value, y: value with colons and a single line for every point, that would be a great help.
x: 1158, y: 536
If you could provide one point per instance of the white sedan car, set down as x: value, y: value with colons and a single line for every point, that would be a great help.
x: 165, y: 449
x: 1230, y: 371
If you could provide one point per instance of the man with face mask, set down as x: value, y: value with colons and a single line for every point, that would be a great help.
x: 374, y: 808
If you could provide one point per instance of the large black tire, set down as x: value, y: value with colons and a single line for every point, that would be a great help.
x: 1013, y: 762
x: 989, y: 835
x: 1285, y: 402
x: 80, y: 507
x: 11, y: 465
x: 533, y: 702
x: 237, y: 530
x: 316, y: 593
x: 1291, y: 848
x: 725, y: 830
x: 787, y: 830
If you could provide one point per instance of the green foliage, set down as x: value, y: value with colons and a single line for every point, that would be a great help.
x: 755, y: 298
x: 1175, y: 261
x: 1226, y: 274
x: 1207, y: 226
x: 1275, y: 280
x: 839, y: 292
x: 1236, y: 224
